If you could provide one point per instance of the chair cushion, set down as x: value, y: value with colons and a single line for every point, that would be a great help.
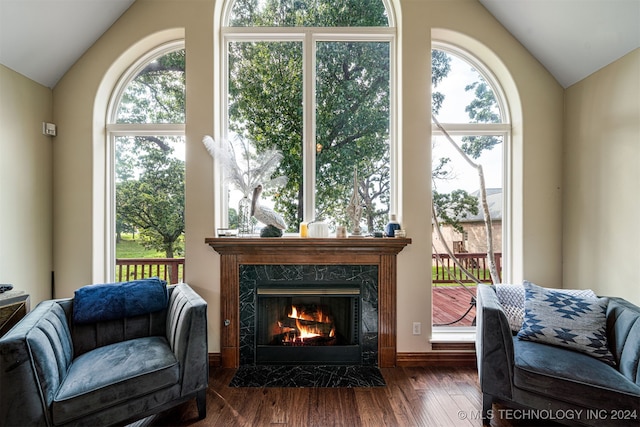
x: 566, y: 320
x: 110, y: 301
x: 113, y: 374
x: 572, y: 377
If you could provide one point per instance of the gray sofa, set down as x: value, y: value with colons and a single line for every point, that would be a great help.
x: 55, y: 373
x: 558, y: 383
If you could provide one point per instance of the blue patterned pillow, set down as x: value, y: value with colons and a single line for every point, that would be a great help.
x: 566, y: 320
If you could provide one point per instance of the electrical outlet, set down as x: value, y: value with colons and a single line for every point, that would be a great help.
x: 416, y: 328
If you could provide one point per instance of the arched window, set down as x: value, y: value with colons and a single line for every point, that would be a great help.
x: 315, y: 80
x: 470, y: 131
x: 145, y: 131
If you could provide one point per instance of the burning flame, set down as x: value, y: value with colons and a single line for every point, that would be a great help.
x: 306, y: 332
x: 310, y: 331
x: 315, y: 316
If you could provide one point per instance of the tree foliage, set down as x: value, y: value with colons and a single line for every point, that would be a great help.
x: 440, y: 68
x: 352, y: 105
x: 151, y: 200
x: 157, y: 93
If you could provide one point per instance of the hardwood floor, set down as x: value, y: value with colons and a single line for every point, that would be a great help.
x: 413, y: 397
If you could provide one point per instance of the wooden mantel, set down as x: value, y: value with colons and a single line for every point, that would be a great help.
x: 236, y: 251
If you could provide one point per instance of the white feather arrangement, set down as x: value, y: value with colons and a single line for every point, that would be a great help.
x: 251, y: 169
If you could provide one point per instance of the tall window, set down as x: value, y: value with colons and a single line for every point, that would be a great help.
x: 313, y: 79
x: 146, y: 134
x: 470, y: 128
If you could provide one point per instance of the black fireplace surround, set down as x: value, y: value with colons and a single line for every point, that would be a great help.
x: 346, y: 293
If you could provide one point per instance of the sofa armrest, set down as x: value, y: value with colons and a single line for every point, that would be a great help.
x: 187, y: 336
x: 494, y: 345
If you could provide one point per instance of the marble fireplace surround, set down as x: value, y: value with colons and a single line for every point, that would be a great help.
x: 237, y: 251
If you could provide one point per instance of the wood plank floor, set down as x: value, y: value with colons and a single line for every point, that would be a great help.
x: 413, y: 397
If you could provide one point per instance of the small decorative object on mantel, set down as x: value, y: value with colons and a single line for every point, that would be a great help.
x: 392, y: 226
x: 227, y: 232
x: 318, y: 228
x: 257, y: 172
x: 4, y: 288
x: 354, y: 210
x: 273, y: 221
x: 401, y: 233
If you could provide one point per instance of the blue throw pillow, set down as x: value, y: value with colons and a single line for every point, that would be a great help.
x: 110, y: 301
x: 566, y: 320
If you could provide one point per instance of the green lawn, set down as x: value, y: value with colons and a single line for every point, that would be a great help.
x: 129, y: 248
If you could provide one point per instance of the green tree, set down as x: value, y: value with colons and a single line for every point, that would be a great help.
x: 149, y: 178
x: 157, y: 93
x: 440, y: 68
x: 153, y: 202
x: 352, y: 104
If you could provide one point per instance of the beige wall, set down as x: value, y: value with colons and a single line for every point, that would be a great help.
x: 602, y: 181
x: 81, y: 97
x: 25, y: 185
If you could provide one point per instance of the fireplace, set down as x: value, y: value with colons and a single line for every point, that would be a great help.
x: 241, y: 262
x: 308, y: 315
x: 301, y: 323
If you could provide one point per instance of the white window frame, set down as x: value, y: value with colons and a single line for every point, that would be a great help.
x: 309, y: 36
x: 114, y: 130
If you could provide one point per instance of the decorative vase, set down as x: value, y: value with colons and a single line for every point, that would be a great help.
x: 245, y: 226
x: 392, y: 226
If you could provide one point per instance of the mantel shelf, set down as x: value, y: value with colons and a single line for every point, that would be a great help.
x: 310, y: 246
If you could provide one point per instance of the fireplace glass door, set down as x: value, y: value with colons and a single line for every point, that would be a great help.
x: 308, y: 325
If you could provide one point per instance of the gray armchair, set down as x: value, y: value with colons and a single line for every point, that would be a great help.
x: 56, y: 372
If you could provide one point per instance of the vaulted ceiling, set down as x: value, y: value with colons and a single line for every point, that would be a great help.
x: 42, y: 39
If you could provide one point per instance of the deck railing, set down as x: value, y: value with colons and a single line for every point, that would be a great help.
x: 169, y: 269
x: 446, y: 271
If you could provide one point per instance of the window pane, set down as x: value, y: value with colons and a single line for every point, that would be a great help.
x: 157, y: 93
x: 265, y: 111
x: 308, y: 13
x: 149, y: 183
x: 456, y: 173
x: 460, y: 93
x: 352, y: 129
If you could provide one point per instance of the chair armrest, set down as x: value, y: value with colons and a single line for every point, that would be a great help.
x: 187, y: 336
x: 494, y: 345
x: 34, y: 357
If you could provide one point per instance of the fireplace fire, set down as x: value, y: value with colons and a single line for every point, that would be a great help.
x: 305, y: 325
x: 308, y: 325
